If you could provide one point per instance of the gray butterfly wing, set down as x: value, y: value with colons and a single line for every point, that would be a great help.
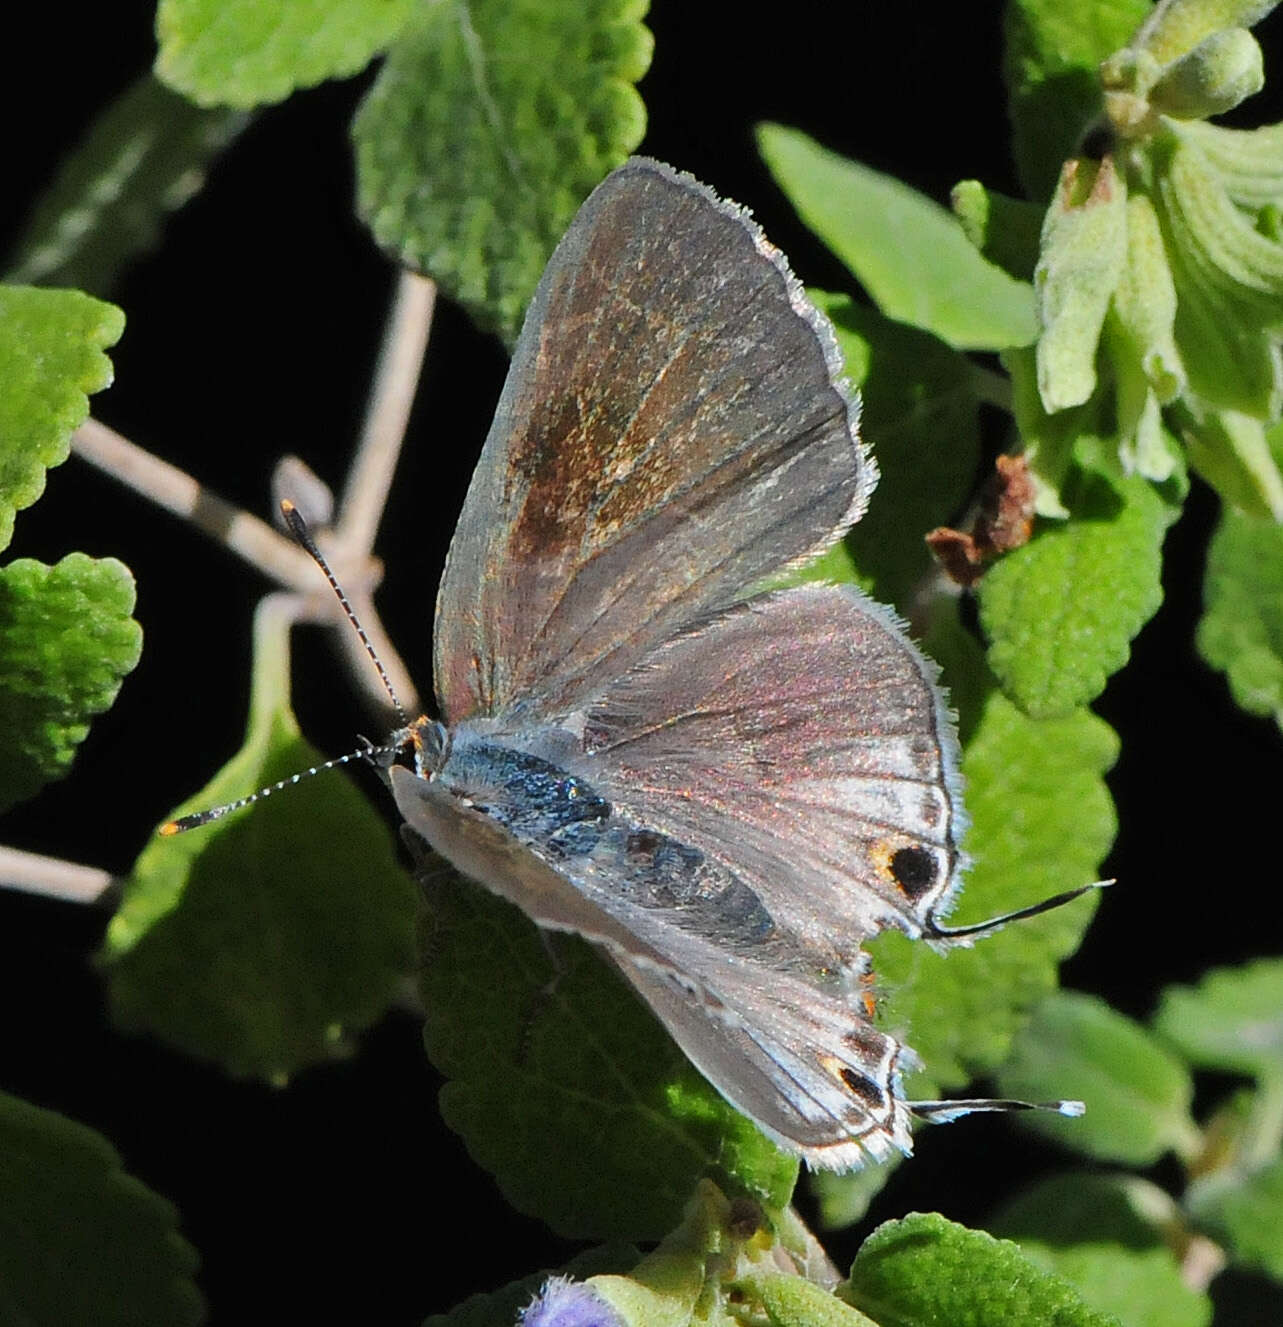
x: 776, y: 1023
x: 670, y: 432
x: 801, y: 739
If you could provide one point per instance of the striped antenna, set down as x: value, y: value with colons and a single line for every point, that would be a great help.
x: 367, y: 750
x: 298, y: 528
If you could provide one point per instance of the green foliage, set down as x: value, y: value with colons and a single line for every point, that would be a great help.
x: 539, y: 103
x: 1242, y: 628
x: 921, y: 407
x: 243, y: 53
x: 142, y: 158
x: 83, y: 1240
x: 1107, y: 1234
x: 1137, y: 1093
x: 1061, y: 612
x: 565, y: 1087
x: 907, y: 251
x: 1053, y: 88
x: 926, y: 1270
x: 67, y: 641
x: 264, y: 940
x: 1232, y: 1020
x: 51, y: 360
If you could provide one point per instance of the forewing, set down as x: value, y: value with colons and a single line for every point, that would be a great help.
x: 801, y: 739
x: 670, y: 432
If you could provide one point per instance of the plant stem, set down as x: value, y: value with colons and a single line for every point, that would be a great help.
x: 396, y: 378
x: 50, y: 877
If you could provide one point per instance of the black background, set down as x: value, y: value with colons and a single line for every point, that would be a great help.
x: 252, y: 332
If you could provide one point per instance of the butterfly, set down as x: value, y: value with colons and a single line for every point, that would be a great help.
x: 727, y: 788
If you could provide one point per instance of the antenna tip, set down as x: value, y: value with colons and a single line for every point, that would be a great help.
x: 287, y: 506
x: 169, y: 828
x: 1073, y: 1109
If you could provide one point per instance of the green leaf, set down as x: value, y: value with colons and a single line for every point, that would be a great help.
x: 263, y: 940
x: 1053, y: 51
x: 51, y: 344
x: 564, y: 1086
x: 1007, y: 231
x: 1229, y: 284
x: 1247, y: 1216
x: 1242, y: 628
x: 66, y: 643
x: 1106, y: 1234
x: 143, y: 157
x: 1049, y: 441
x: 1232, y: 1020
x: 844, y: 1199
x: 1137, y: 1093
x: 489, y: 124
x: 789, y: 1301
x: 1145, y: 302
x: 1041, y: 823
x: 1225, y: 68
x: 80, y: 1240
x: 1233, y: 454
x: 925, y: 1271
x: 1179, y: 25
x: 1247, y: 162
x: 921, y: 416
x: 499, y: 1308
x: 1060, y: 612
x: 1084, y: 241
x: 907, y: 251
x: 245, y: 53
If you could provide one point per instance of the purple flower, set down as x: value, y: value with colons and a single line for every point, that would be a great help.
x: 566, y: 1303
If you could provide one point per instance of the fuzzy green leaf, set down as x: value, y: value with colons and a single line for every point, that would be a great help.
x: 1084, y: 241
x: 1053, y: 51
x: 51, y: 344
x: 921, y: 416
x: 1225, y: 68
x: 565, y: 1087
x: 246, y: 53
x: 1233, y: 454
x: 489, y: 124
x: 67, y: 641
x: 844, y: 1199
x: 789, y: 1301
x: 1247, y: 162
x: 143, y: 157
x: 907, y: 251
x: 1242, y: 628
x: 925, y: 1271
x: 1145, y: 302
x: 1232, y: 1020
x: 1179, y: 25
x: 1137, y: 1093
x: 1007, y: 231
x: 263, y: 940
x: 1060, y: 613
x: 1105, y: 1234
x: 80, y: 1240
x: 1246, y: 1214
x: 1229, y: 284
x: 1041, y: 822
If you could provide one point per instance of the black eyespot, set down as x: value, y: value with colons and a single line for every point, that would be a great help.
x: 914, y: 870
x: 860, y: 1086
